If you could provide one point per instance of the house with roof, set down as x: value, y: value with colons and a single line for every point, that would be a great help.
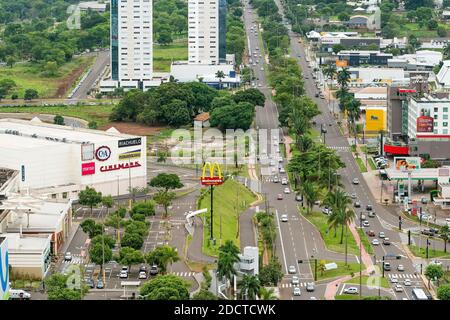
x: 202, y: 120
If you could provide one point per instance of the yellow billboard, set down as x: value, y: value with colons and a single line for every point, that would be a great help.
x: 375, y: 120
x: 341, y: 63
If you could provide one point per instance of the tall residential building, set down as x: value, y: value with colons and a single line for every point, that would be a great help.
x: 207, y: 31
x: 131, y: 42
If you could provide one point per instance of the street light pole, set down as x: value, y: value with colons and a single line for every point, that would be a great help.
x: 360, y: 257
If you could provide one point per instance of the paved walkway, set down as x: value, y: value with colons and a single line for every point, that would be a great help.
x: 195, y: 248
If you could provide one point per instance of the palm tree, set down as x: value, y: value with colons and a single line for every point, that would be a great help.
x: 348, y: 217
x: 354, y: 114
x: 304, y: 143
x: 447, y: 51
x: 230, y: 247
x: 221, y: 75
x: 330, y: 72
x: 339, y: 202
x: 445, y: 234
x: 343, y: 78
x: 170, y: 256
x: 311, y: 194
x: 225, y: 265
x: 249, y: 286
x: 267, y: 294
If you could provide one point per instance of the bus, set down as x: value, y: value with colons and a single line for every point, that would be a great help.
x: 419, y: 294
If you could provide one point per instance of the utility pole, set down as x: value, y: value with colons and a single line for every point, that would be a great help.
x: 212, y: 210
x: 428, y: 243
x: 360, y: 257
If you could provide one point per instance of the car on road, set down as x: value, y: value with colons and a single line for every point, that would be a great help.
x: 366, y: 224
x: 259, y: 85
x: 142, y: 275
x: 262, y: 69
x: 386, y: 241
x: 154, y: 270
x: 371, y: 214
x: 371, y: 233
x: 407, y: 282
x: 394, y: 279
x: 375, y: 242
x: 381, y: 235
x: 436, y: 262
x: 353, y: 196
x: 355, y: 181
x: 400, y: 267
x: 369, y: 207
x: 100, y: 284
x: 351, y: 290
x: 284, y: 218
x: 357, y: 204
x: 297, y: 291
x: 279, y: 196
x: 282, y: 170
x: 272, y: 163
x: 295, y: 280
x: 398, y: 288
x: 123, y: 274
x: 310, y: 287
x: 298, y: 197
x: 327, y: 211
x: 316, y: 95
x: 428, y: 232
x: 284, y: 181
x: 275, y: 179
x: 292, y: 269
x: 387, y: 266
x: 286, y: 190
x: 68, y: 256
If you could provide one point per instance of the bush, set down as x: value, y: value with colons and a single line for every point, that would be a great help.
x: 146, y: 208
x: 138, y: 217
x: 121, y: 212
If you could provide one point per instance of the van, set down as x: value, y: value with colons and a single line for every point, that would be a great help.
x: 419, y: 294
x: 18, y: 294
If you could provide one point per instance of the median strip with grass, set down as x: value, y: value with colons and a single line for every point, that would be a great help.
x: 370, y: 281
x: 230, y: 199
x: 341, y: 270
x: 332, y: 238
x: 432, y: 253
x: 365, y: 241
x: 372, y: 164
x: 361, y: 165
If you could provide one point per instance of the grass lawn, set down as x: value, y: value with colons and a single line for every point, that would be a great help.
x: 384, y: 281
x: 365, y: 241
x: 361, y: 165
x: 421, y: 252
x: 372, y: 164
x: 226, y: 198
x: 25, y: 284
x: 29, y: 76
x: 319, y: 220
x: 342, y: 270
x: 356, y: 297
x: 164, y: 55
x: 99, y: 113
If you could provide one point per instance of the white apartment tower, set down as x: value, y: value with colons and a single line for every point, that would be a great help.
x: 207, y: 31
x: 131, y: 42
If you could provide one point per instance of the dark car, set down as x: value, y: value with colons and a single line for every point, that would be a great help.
x: 371, y: 233
x: 428, y: 232
x: 143, y: 269
x: 369, y: 207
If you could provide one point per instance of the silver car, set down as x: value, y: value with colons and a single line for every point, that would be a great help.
x: 292, y: 269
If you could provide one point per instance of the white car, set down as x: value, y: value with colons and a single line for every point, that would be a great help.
x: 292, y: 269
x: 375, y: 242
x: 262, y: 68
x: 280, y: 159
x: 295, y: 280
x: 394, y: 280
x: 286, y: 190
x: 398, y: 288
x: 284, y: 218
x: 284, y: 181
x: 381, y: 235
x: 297, y: 291
x: 351, y: 290
x: 327, y: 211
x: 123, y: 274
x: 282, y: 170
x: 366, y: 224
x: 355, y: 181
x: 142, y: 275
x: 68, y: 256
x: 407, y: 282
x: 436, y: 262
x: 401, y: 267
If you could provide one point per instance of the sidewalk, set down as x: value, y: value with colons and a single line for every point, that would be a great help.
x: 194, y: 252
x: 68, y: 241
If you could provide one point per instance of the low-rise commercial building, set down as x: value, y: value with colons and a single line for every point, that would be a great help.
x: 356, y: 58
x: 421, y: 60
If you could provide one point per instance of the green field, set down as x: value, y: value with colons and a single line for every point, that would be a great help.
x: 361, y: 165
x: 384, y: 281
x: 98, y: 113
x: 230, y: 199
x: 421, y: 252
x: 365, y: 241
x: 30, y: 76
x: 164, y: 55
x: 342, y: 270
x: 332, y: 242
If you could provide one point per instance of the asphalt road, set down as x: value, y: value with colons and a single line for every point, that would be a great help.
x: 297, y: 239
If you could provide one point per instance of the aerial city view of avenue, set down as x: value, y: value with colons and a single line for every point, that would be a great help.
x: 225, y: 150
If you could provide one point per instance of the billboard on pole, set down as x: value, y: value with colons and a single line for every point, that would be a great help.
x: 407, y: 163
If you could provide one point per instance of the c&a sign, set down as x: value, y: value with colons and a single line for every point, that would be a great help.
x: 212, y: 179
x: 4, y: 269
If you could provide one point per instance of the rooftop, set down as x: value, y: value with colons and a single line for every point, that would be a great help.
x: 19, y: 243
x: 204, y: 116
x: 374, y: 90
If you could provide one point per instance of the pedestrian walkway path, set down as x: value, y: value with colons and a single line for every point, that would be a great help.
x: 76, y: 259
x: 340, y: 148
x: 290, y: 285
x: 183, y: 274
x: 404, y: 276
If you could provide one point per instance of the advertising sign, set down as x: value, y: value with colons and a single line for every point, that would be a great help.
x: 375, y: 120
x: 341, y: 63
x: 103, y: 153
x: 87, y: 168
x: 425, y: 124
x: 4, y: 269
x: 130, y: 142
x: 87, y: 152
x: 212, y: 180
x: 407, y: 163
x: 130, y: 154
x: 113, y: 167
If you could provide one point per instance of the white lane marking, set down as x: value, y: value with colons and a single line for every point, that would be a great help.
x: 357, y: 259
x: 281, y: 240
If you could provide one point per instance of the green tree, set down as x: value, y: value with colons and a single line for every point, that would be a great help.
x: 445, y: 234
x: 89, y: 197
x: 434, y: 272
x: 99, y: 254
x: 51, y: 68
x: 267, y: 294
x: 92, y: 228
x: 64, y: 287
x: 92, y: 125
x: 343, y: 77
x: 58, y: 120
x: 129, y: 256
x: 165, y: 287
x: 165, y: 199
x: 220, y: 75
x: 204, y: 294
x: 310, y: 193
x: 162, y: 256
x: 146, y: 208
x: 252, y: 95
x: 133, y: 240
x: 270, y: 274
x: 249, y: 286
x: 441, y: 32
x: 30, y: 94
x: 166, y: 181
x: 443, y: 292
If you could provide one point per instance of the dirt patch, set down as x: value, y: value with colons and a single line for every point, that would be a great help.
x: 66, y: 83
x: 132, y: 128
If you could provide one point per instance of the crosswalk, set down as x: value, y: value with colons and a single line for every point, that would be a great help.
x: 76, y: 259
x: 404, y: 276
x: 290, y: 285
x: 183, y: 274
x: 340, y: 148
